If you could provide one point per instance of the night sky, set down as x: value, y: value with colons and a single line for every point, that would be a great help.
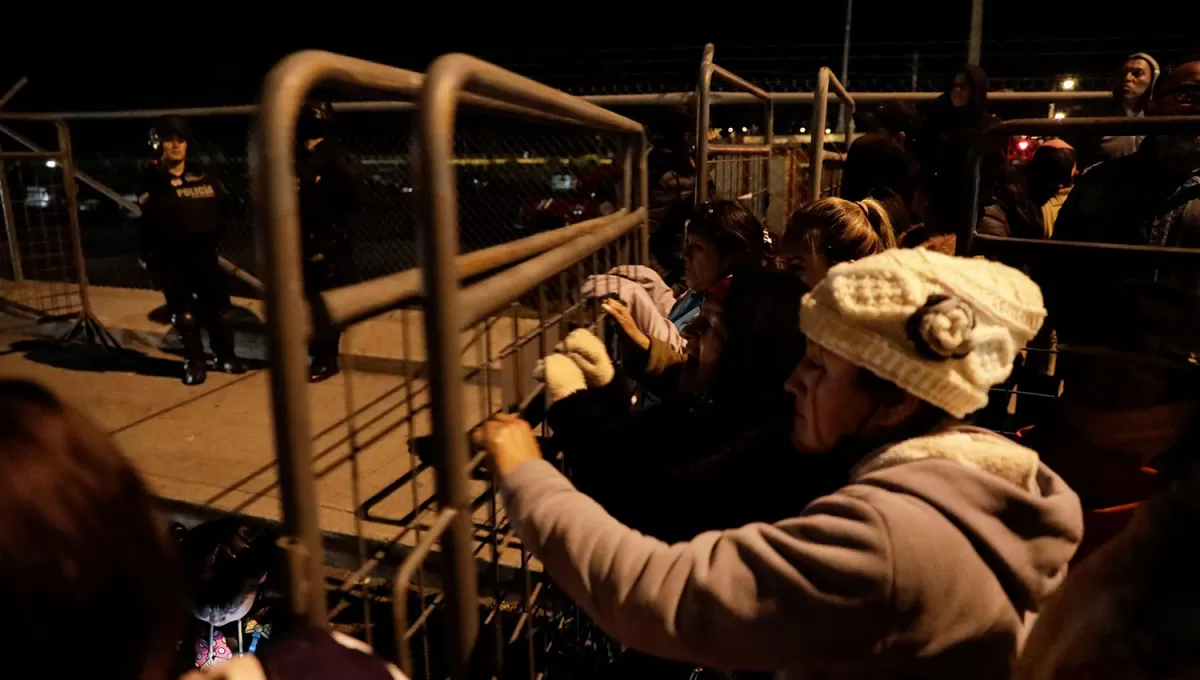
x: 215, y: 53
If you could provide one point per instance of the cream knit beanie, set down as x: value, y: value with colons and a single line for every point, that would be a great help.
x: 945, y: 329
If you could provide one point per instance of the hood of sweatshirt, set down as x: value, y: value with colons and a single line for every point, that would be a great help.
x: 1022, y: 519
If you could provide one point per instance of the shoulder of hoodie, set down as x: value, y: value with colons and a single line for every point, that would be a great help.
x: 247, y: 667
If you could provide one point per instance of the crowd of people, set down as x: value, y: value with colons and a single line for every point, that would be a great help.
x: 778, y: 471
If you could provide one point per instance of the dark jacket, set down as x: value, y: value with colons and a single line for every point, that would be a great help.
x: 183, y: 217
x: 332, y: 187
x: 689, y: 464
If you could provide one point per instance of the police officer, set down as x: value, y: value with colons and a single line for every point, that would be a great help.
x: 331, y: 187
x: 180, y: 227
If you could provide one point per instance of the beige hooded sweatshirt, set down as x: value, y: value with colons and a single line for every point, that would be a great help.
x: 928, y: 564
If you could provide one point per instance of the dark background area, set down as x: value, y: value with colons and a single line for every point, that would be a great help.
x: 217, y: 53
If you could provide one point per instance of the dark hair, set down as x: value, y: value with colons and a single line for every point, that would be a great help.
x: 734, y: 230
x: 1166, y: 73
x: 1048, y: 170
x: 876, y: 167
x: 224, y: 561
x: 761, y: 316
x: 898, y: 117
x: 88, y: 579
x: 840, y: 230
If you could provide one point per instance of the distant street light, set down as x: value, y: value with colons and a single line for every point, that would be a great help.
x: 803, y: 130
x: 1069, y: 84
x: 828, y: 131
x: 51, y: 163
x: 1059, y: 115
x: 744, y: 129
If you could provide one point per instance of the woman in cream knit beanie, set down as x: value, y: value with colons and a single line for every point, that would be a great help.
x: 930, y: 561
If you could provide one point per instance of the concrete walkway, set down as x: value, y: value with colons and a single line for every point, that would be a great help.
x: 210, y: 447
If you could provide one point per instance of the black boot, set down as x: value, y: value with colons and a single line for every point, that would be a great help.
x: 323, y: 369
x: 195, y: 371
x: 232, y: 365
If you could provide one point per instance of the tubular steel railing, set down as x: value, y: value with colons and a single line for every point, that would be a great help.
x: 525, y: 265
x: 825, y: 82
x: 745, y: 175
x: 971, y: 243
x: 449, y: 310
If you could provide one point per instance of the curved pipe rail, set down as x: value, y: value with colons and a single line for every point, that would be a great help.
x: 705, y: 97
x: 969, y: 242
x: 449, y: 78
x: 816, y: 157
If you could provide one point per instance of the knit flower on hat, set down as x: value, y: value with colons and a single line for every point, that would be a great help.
x: 943, y: 328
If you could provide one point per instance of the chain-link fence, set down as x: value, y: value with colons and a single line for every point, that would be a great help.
x: 516, y: 182
x: 39, y: 265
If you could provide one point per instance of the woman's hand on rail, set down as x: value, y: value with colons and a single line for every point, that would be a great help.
x: 509, y: 442
x: 620, y: 313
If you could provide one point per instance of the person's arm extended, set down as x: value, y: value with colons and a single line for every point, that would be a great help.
x: 812, y: 589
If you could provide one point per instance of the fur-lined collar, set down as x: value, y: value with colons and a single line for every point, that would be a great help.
x: 972, y: 447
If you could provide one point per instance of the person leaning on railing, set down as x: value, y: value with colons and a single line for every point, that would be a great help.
x: 929, y: 562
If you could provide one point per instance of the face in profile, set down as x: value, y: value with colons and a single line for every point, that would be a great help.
x: 174, y: 149
x: 701, y: 263
x: 705, y: 337
x: 960, y: 91
x: 830, y: 402
x: 798, y: 256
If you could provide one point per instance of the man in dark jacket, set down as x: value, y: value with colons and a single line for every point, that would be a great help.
x: 180, y: 228
x: 1132, y: 89
x: 331, y: 187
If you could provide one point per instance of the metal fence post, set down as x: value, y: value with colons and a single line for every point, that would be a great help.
x: 68, y: 172
x: 703, y: 92
x: 10, y: 226
x: 816, y: 154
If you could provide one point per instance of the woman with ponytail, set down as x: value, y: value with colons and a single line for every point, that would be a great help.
x: 833, y: 230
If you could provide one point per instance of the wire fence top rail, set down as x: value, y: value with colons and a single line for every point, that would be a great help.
x: 616, y: 100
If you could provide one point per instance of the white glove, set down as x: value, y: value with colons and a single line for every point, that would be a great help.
x: 561, y: 376
x: 587, y: 351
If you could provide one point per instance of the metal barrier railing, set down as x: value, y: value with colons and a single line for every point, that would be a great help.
x: 46, y: 276
x: 971, y: 243
x: 826, y: 81
x: 739, y: 171
x: 448, y: 310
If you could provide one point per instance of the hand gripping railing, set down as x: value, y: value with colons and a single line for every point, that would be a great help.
x: 288, y: 325
x: 449, y: 310
x: 704, y: 100
x: 971, y: 243
x: 825, y: 81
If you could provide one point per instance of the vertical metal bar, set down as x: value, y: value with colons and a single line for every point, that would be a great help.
x: 273, y: 173
x: 816, y: 154
x: 356, y: 494
x: 485, y: 349
x: 916, y: 65
x: 703, y: 91
x: 627, y: 161
x: 68, y: 175
x: 643, y: 197
x: 438, y: 199
x: 845, y: 63
x: 12, y: 91
x: 975, y: 40
x: 10, y: 226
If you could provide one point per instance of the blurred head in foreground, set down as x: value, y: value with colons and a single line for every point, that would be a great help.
x: 87, y: 575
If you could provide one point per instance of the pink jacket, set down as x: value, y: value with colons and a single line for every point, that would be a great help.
x: 929, y: 563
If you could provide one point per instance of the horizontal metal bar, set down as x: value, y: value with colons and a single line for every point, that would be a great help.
x: 1038, y: 248
x: 742, y: 149
x: 486, y: 297
x: 659, y: 99
x: 19, y: 155
x: 734, y: 79
x: 360, y: 301
x: 503, y: 85
x: 1139, y: 125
